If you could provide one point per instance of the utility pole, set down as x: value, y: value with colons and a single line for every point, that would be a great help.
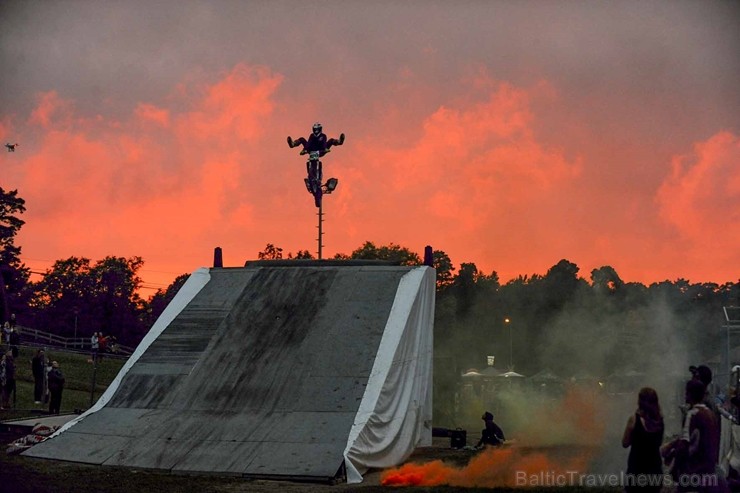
x: 326, y: 189
x: 94, y: 374
x: 321, y: 232
x: 507, y: 321
x: 76, y: 312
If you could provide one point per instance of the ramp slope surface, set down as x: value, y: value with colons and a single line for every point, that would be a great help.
x: 264, y: 372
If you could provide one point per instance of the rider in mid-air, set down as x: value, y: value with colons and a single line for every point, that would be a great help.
x: 317, y: 141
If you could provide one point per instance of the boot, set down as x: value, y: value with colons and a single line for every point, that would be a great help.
x: 341, y: 139
x: 291, y: 144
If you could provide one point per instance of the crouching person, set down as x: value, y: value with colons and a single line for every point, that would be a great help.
x: 492, y: 434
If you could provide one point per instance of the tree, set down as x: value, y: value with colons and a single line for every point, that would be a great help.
x: 559, y: 286
x: 392, y: 253
x: 464, y: 285
x: 443, y: 266
x: 65, y: 288
x: 116, y: 281
x: 271, y: 252
x: 14, y: 275
x: 301, y: 255
x: 154, y: 307
x: 606, y: 280
x: 74, y: 294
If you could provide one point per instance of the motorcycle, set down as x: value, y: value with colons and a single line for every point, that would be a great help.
x: 315, y: 176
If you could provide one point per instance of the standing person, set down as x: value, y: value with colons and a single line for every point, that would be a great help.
x: 729, y: 453
x: 38, y: 368
x: 113, y: 346
x: 704, y: 374
x: 3, y: 380
x: 644, y: 435
x: 697, y: 449
x: 56, y: 385
x: 15, y: 340
x: 47, y: 370
x: 6, y: 333
x: 7, y: 378
x: 492, y: 434
x: 94, y: 345
x: 102, y: 344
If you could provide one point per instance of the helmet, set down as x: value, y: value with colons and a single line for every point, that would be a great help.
x: 317, y: 128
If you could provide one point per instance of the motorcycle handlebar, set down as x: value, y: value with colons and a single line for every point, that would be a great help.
x: 318, y: 152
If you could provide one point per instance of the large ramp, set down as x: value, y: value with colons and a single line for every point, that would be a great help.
x: 294, y: 369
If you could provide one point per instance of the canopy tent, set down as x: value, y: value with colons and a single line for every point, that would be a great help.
x: 490, y: 371
x: 511, y: 374
x: 545, y: 376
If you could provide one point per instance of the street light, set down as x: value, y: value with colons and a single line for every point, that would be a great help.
x: 511, y: 345
x: 331, y: 184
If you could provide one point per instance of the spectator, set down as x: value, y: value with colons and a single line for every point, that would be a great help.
x: 47, y: 370
x: 644, y: 435
x: 113, y: 346
x: 102, y: 344
x: 6, y: 333
x: 56, y: 385
x: 3, y: 380
x: 492, y: 434
x: 38, y: 367
x: 14, y: 340
x: 94, y: 345
x: 729, y: 409
x: 7, y: 378
x: 696, y: 450
x: 704, y: 374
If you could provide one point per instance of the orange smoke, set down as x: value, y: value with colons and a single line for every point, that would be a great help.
x: 543, y: 449
x: 489, y: 469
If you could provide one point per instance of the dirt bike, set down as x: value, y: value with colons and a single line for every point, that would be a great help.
x: 315, y: 176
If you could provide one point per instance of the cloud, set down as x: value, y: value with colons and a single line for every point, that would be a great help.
x: 50, y: 106
x: 167, y: 175
x: 233, y: 109
x: 151, y: 113
x: 486, y: 172
x: 476, y: 163
x: 700, y: 198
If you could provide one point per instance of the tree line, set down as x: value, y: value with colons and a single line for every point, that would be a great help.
x: 559, y: 320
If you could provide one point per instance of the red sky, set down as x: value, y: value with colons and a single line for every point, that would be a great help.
x: 508, y: 134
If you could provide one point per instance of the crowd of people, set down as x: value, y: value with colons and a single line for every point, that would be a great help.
x: 705, y: 456
x: 101, y: 344
x: 48, y: 381
x: 47, y: 375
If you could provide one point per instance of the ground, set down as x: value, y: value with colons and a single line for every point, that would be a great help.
x: 27, y: 475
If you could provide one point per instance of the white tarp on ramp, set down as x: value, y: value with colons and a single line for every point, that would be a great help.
x: 395, y: 414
